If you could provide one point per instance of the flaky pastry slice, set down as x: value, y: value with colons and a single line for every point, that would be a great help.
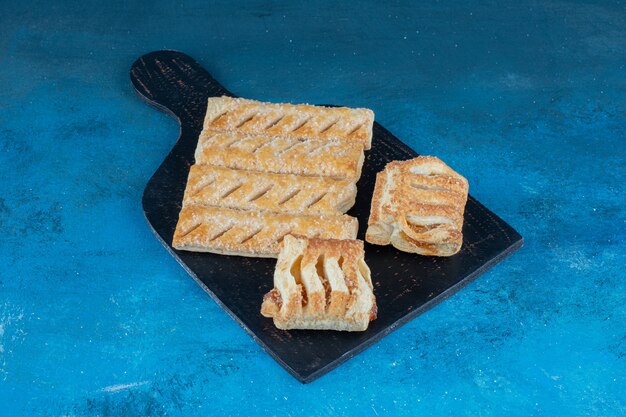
x: 300, y: 121
x: 282, y: 155
x: 418, y: 206
x: 251, y: 190
x: 252, y: 233
x: 321, y: 284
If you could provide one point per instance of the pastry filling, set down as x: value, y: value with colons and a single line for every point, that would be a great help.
x: 274, y: 297
x: 374, y: 312
x: 319, y: 266
x: 423, y: 229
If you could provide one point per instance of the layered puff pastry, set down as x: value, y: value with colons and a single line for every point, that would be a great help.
x: 418, y: 206
x: 250, y: 232
x: 300, y: 121
x: 265, y: 170
x: 321, y: 284
x: 209, y: 185
x: 311, y: 157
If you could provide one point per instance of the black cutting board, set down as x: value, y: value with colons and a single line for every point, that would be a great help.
x: 405, y: 284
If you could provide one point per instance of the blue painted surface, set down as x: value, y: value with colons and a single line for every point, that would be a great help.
x: 527, y: 99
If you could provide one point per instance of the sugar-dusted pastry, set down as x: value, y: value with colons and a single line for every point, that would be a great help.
x: 299, y: 121
x: 321, y: 284
x: 250, y: 190
x: 250, y: 232
x: 280, y: 155
x: 266, y: 170
x: 418, y: 206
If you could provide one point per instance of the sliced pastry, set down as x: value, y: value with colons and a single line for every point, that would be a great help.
x: 300, y: 121
x: 251, y: 232
x: 209, y: 185
x: 321, y: 284
x: 418, y: 206
x: 282, y: 155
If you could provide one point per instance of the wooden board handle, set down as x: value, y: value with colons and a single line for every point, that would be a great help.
x: 175, y: 83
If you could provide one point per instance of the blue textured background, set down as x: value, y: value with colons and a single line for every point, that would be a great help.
x: 527, y: 99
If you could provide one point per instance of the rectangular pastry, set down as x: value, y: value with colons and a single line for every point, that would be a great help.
x: 280, y: 155
x: 321, y: 284
x: 252, y: 233
x: 300, y: 121
x: 250, y: 190
x: 418, y: 206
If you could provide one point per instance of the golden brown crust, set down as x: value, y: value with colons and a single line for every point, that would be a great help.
x: 381, y: 189
x: 407, y: 244
x: 300, y: 121
x: 252, y: 233
x: 342, y: 160
x: 321, y: 284
x: 264, y: 170
x: 282, y: 193
x: 418, y: 207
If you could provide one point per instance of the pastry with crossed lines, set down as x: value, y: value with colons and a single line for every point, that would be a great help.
x: 264, y: 170
x: 300, y: 121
